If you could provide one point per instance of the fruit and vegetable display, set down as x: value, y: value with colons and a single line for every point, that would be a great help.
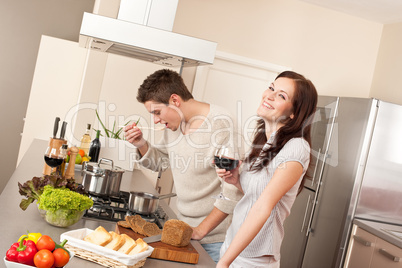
x: 80, y: 158
x: 38, y: 250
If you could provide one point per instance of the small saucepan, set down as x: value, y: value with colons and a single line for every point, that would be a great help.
x: 145, y: 203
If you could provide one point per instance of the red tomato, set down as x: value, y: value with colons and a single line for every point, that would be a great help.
x: 45, y: 242
x: 44, y: 259
x: 61, y: 257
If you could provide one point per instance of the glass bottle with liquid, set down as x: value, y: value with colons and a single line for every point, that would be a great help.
x: 86, y: 140
x: 94, y: 150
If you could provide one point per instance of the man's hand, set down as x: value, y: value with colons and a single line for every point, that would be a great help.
x: 134, y: 135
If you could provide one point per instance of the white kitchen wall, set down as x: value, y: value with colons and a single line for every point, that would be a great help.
x: 336, y: 51
x: 387, y: 81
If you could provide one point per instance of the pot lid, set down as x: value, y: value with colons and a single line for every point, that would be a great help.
x: 103, y: 166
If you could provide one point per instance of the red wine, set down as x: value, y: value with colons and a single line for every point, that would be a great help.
x: 225, y: 163
x: 94, y: 149
x: 53, y: 162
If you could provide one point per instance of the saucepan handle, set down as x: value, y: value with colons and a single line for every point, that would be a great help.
x: 167, y: 196
x: 106, y: 160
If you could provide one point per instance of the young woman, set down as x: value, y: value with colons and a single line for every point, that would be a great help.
x: 272, y: 174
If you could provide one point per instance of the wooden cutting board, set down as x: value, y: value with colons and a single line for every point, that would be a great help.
x: 164, y: 251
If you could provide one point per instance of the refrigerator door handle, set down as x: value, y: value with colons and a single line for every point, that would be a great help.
x: 305, y: 214
x: 310, y: 222
x: 316, y: 166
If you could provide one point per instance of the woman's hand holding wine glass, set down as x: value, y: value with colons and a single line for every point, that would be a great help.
x: 230, y: 176
x: 226, y: 159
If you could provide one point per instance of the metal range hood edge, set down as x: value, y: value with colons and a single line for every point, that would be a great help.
x: 143, y: 42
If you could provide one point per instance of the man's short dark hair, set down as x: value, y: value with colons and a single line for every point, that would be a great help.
x: 160, y: 85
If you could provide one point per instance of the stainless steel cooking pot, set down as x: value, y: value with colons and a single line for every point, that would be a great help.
x: 102, y: 178
x: 145, y: 203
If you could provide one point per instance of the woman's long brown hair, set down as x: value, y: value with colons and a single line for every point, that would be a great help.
x: 304, y: 105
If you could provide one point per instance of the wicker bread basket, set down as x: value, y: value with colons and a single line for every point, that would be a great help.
x: 101, y: 260
x: 100, y: 255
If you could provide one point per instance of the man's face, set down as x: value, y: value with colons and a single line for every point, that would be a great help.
x: 169, y: 115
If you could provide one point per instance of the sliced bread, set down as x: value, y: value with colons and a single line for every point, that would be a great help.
x: 141, y: 246
x: 128, y: 245
x: 141, y: 226
x: 117, y: 241
x: 135, y: 222
x: 99, y: 237
x: 124, y: 224
x: 151, y: 229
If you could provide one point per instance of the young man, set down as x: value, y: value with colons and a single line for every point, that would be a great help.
x: 194, y: 130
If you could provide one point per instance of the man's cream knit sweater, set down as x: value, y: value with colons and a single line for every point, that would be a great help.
x: 191, y: 160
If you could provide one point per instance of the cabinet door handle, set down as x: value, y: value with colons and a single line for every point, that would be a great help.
x: 362, y: 241
x: 389, y: 255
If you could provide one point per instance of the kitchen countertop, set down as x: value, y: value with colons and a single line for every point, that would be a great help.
x: 382, y: 230
x: 16, y: 222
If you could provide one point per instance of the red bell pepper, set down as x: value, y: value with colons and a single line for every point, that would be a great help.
x: 22, y: 252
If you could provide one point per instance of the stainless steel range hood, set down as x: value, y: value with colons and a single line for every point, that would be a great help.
x: 143, y: 42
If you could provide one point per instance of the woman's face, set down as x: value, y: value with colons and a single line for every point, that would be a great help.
x: 276, y: 104
x: 169, y: 115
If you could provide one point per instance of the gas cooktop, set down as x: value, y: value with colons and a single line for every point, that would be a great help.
x: 116, y: 209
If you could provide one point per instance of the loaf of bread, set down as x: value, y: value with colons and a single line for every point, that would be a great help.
x: 176, y: 233
x: 141, y: 226
x: 128, y: 245
x: 141, y: 246
x: 117, y: 241
x: 99, y: 237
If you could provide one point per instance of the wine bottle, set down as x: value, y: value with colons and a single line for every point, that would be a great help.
x: 86, y: 140
x: 95, y: 147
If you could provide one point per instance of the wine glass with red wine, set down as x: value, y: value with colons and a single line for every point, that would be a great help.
x: 225, y: 158
x: 53, y: 156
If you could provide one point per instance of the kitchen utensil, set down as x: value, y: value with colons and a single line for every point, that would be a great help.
x: 70, y: 168
x: 63, y: 130
x: 152, y: 239
x: 151, y: 128
x: 101, y: 179
x: 145, y: 203
x: 56, y: 126
x: 162, y: 251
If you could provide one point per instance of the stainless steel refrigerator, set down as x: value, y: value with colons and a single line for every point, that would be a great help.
x: 356, y: 172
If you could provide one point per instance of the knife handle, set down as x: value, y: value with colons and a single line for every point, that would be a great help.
x: 63, y: 130
x: 56, y: 126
